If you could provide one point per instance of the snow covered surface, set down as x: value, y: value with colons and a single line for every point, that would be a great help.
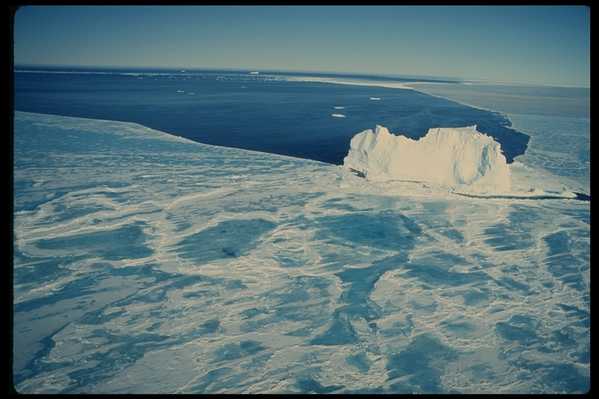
x: 144, y: 262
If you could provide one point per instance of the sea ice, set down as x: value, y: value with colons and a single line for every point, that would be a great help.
x: 213, y: 274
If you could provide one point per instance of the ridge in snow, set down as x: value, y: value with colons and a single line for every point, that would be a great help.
x: 456, y: 158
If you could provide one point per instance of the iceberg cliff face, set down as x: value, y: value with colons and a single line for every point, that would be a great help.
x: 457, y: 158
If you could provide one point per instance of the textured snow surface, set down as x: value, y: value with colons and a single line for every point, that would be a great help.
x: 144, y: 262
x: 461, y: 158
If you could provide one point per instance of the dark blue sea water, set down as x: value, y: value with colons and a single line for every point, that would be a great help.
x: 257, y: 112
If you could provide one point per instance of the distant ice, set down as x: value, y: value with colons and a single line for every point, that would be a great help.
x: 375, y: 98
x: 338, y: 107
x: 338, y: 115
x: 348, y: 81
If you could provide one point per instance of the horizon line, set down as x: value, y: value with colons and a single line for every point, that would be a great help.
x: 270, y: 70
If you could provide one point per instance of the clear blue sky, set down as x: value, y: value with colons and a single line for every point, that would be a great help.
x: 539, y: 45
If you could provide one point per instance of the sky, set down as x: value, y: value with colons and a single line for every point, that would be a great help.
x: 547, y: 45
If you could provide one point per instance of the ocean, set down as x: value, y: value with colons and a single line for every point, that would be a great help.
x: 268, y: 112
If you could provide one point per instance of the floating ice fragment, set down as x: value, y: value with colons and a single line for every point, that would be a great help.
x: 338, y: 115
x: 375, y: 98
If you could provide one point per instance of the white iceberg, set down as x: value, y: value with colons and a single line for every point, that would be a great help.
x: 455, y: 158
x: 338, y: 115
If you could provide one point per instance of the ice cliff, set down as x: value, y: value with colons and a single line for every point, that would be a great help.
x: 457, y: 158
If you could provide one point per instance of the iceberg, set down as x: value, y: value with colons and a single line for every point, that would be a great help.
x: 456, y: 158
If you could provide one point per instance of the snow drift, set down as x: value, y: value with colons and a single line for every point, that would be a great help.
x: 457, y: 158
